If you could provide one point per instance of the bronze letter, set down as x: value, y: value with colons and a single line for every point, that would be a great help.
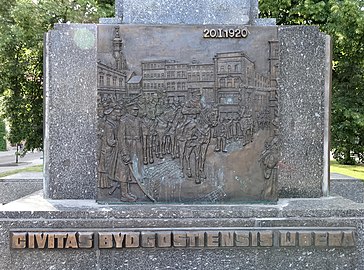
x: 164, y: 239
x: 304, y: 239
x: 71, y: 241
x: 348, y: 239
x: 212, y: 239
x: 51, y: 241
x: 335, y: 238
x: 119, y: 238
x: 254, y: 238
x: 18, y: 240
x: 288, y: 238
x: 85, y: 239
x: 266, y: 239
x: 31, y: 240
x: 320, y: 239
x: 105, y: 240
x: 242, y: 239
x: 179, y: 239
x: 60, y: 239
x: 41, y: 239
x: 195, y: 239
x: 132, y: 240
x: 227, y: 239
x: 148, y: 239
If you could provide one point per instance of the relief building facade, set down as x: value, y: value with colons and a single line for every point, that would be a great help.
x: 178, y: 126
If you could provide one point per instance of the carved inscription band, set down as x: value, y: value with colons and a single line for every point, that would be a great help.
x: 188, y: 238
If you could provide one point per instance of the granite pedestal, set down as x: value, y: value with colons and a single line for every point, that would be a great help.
x: 67, y: 229
x: 317, y: 217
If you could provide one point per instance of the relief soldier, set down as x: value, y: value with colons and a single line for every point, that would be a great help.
x: 109, y: 142
x: 221, y: 134
x: 166, y: 121
x: 149, y: 134
x: 102, y: 153
x: 132, y: 142
x: 247, y: 128
x: 193, y: 105
x: 127, y: 163
x: 269, y: 160
x: 177, y: 126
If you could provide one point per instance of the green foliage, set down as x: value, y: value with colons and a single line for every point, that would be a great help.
x: 346, y: 25
x: 291, y: 12
x: 344, y: 21
x: 2, y: 135
x: 22, y: 26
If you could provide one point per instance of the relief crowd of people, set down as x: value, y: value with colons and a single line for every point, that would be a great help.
x: 134, y: 132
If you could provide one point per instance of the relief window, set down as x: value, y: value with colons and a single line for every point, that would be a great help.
x: 101, y: 81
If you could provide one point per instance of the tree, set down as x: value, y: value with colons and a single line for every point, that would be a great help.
x: 2, y: 135
x: 346, y: 25
x: 344, y: 21
x: 22, y: 25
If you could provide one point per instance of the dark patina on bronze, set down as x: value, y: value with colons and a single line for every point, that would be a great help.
x: 185, y: 119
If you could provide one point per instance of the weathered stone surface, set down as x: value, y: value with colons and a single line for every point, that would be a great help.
x: 115, y: 20
x: 187, y: 11
x: 304, y: 102
x: 70, y: 112
x: 265, y: 22
x: 13, y: 189
x: 89, y: 215
x: 352, y: 189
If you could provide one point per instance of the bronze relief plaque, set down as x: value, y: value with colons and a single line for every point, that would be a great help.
x: 187, y: 114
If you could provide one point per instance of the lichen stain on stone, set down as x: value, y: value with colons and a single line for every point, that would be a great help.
x: 84, y: 39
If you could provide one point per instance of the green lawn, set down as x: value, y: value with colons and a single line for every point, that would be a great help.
x: 356, y: 171
x: 36, y: 168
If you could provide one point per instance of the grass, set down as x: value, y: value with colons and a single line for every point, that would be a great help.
x: 36, y: 168
x: 356, y: 171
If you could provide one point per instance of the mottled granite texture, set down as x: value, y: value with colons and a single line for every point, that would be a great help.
x: 13, y: 189
x: 264, y: 22
x: 70, y: 112
x: 115, y: 20
x: 309, y: 213
x: 187, y: 11
x: 304, y: 89
x: 352, y: 189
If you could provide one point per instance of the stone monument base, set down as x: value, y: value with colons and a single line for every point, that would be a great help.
x: 324, y: 233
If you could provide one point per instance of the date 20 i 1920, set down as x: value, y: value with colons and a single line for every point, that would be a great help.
x: 225, y: 33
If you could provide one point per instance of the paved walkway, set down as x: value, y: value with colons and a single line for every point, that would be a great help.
x: 336, y: 176
x: 7, y: 161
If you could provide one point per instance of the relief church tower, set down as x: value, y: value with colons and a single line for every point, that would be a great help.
x: 118, y: 50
